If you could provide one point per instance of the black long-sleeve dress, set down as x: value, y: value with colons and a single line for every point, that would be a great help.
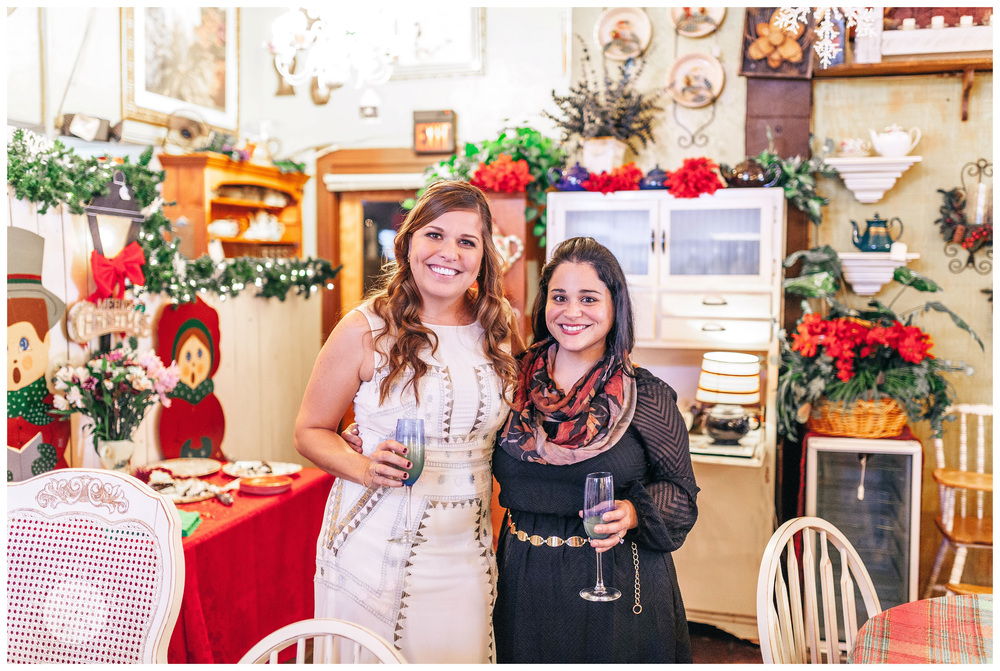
x: 539, y: 615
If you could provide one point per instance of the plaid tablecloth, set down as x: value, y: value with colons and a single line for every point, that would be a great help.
x: 945, y: 630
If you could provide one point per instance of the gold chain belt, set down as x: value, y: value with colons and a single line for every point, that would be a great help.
x: 573, y: 542
x: 551, y: 541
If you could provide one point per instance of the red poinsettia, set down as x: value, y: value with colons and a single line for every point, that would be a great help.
x: 623, y: 178
x: 503, y: 175
x: 695, y: 177
x: 853, y: 342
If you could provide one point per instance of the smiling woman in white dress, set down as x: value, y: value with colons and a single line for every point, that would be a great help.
x: 428, y: 345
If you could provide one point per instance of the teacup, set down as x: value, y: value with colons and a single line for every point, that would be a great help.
x: 855, y: 146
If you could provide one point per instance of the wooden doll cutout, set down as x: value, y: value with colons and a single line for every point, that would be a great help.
x: 194, y: 424
x: 36, y: 440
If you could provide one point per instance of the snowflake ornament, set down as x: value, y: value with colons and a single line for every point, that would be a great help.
x: 826, y: 48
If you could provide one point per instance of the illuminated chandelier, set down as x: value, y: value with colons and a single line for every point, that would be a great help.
x: 333, y: 46
x: 826, y: 30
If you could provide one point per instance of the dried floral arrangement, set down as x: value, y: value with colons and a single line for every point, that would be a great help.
x: 607, y: 107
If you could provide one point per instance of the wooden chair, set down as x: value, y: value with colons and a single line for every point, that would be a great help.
x: 964, y: 523
x: 95, y: 569
x: 333, y: 641
x: 788, y: 607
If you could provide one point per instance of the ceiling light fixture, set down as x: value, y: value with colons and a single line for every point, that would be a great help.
x: 333, y: 46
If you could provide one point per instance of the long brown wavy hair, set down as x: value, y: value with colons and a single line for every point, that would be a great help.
x: 397, y: 300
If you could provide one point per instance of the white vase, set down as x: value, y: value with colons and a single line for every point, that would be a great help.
x: 115, y: 455
x: 602, y: 154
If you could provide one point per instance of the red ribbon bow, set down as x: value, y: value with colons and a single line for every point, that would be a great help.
x: 111, y: 273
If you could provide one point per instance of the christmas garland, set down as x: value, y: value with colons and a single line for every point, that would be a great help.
x: 956, y: 228
x: 50, y: 174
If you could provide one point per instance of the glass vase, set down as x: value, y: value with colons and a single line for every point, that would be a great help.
x: 116, y: 455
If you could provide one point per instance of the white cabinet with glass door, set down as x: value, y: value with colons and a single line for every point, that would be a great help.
x: 704, y: 274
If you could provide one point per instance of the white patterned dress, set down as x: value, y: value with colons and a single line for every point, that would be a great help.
x: 432, y: 600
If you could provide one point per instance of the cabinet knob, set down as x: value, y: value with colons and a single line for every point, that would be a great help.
x: 717, y: 300
x: 713, y: 328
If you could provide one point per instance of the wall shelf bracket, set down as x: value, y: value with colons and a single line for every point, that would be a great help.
x: 869, y: 177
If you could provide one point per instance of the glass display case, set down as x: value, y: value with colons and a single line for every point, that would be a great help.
x: 870, y: 489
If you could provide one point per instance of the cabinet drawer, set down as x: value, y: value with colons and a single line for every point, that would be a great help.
x: 716, y: 305
x: 707, y: 333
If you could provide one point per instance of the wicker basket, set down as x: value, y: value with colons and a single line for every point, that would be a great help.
x: 865, y: 419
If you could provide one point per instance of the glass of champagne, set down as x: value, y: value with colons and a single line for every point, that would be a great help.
x: 410, y: 433
x: 598, y: 498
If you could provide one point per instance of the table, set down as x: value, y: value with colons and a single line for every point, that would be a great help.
x: 248, y: 569
x: 947, y: 630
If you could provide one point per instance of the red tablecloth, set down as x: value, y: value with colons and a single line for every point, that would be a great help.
x: 248, y: 569
x: 946, y: 630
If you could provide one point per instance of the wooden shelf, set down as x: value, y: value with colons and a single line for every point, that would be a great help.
x: 236, y: 202
x: 245, y: 241
x: 192, y: 182
x: 907, y: 67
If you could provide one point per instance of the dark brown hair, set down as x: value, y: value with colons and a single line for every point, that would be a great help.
x: 397, y: 301
x: 621, y: 338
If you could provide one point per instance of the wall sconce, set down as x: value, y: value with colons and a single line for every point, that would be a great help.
x: 729, y: 380
x: 966, y: 219
x: 434, y: 132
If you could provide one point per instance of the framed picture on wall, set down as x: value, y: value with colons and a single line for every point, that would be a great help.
x: 178, y: 59
x: 439, y: 41
x: 769, y: 51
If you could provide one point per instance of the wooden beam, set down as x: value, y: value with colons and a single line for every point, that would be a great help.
x: 908, y: 67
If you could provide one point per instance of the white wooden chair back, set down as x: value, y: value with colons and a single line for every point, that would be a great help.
x: 95, y: 569
x: 950, y: 498
x: 788, y: 605
x: 333, y: 642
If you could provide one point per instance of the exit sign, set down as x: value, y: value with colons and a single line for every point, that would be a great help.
x: 434, y: 132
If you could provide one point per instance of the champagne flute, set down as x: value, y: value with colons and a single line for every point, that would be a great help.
x: 410, y: 432
x: 598, y: 498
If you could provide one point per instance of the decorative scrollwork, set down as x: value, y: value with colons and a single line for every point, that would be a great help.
x: 696, y: 138
x: 977, y: 170
x: 966, y: 219
x: 983, y: 266
x: 85, y: 489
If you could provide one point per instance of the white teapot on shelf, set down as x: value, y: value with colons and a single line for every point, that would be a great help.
x: 894, y: 141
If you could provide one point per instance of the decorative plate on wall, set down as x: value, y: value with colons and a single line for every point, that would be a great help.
x: 697, y: 21
x: 623, y: 32
x: 696, y: 80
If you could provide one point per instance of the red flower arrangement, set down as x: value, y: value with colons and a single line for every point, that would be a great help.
x: 874, y: 354
x: 623, y: 178
x: 695, y: 177
x: 503, y: 175
x: 848, y: 341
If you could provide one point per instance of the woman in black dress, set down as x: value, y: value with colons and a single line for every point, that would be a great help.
x: 582, y: 407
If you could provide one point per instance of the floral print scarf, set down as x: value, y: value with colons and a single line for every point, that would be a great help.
x: 548, y: 426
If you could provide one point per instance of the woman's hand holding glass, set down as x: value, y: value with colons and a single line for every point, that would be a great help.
x: 385, y: 463
x: 615, y: 523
